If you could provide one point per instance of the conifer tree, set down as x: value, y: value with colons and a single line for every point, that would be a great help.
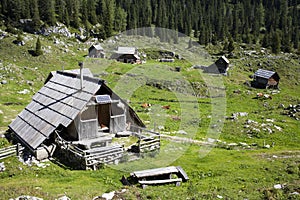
x: 230, y: 45
x: 61, y: 7
x: 120, y: 20
x: 36, y: 16
x: 38, y: 48
x: 190, y: 43
x: 225, y: 47
x: 108, y: 9
x: 275, y: 42
x: 91, y: 8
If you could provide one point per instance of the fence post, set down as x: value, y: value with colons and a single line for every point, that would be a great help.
x: 17, y: 149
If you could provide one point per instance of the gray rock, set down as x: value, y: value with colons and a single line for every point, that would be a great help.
x: 26, y: 197
x: 64, y: 198
x: 2, y: 167
x: 182, y: 132
x: 108, y: 196
x: 3, y: 82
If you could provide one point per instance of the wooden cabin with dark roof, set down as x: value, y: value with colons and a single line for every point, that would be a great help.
x: 127, y: 55
x: 74, y: 117
x: 96, y: 51
x: 220, y: 66
x: 265, y: 79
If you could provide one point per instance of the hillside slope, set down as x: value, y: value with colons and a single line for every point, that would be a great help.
x: 254, y: 151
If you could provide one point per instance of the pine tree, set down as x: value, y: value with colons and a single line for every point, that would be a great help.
x: 36, y: 16
x: 275, y: 42
x: 190, y: 43
x: 230, y: 45
x: 19, y: 39
x: 66, y: 18
x: 38, y: 48
x: 47, y: 11
x: 120, y: 20
x: 225, y: 47
x: 61, y: 8
x: 108, y: 9
x: 91, y: 8
x: 84, y: 12
x: 296, y: 40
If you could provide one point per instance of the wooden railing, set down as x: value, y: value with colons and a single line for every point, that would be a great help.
x: 13, y: 150
x: 95, y: 156
x: 148, y: 140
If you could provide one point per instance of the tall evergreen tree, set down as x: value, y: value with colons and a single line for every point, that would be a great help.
x: 47, y: 11
x: 36, y: 16
x: 230, y: 45
x: 61, y: 8
x: 38, y: 48
x: 120, y: 20
x: 275, y: 42
x: 108, y: 9
x: 91, y: 8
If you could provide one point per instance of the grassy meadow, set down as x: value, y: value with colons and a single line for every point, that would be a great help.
x: 219, y: 171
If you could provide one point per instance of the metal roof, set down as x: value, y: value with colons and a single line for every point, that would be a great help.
x: 264, y: 73
x: 126, y: 50
x: 59, y: 101
x: 96, y: 46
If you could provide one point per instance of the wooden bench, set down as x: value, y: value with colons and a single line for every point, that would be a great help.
x: 156, y: 182
x: 162, y: 175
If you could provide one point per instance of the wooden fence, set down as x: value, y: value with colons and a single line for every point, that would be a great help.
x: 109, y: 154
x: 13, y: 150
x: 90, y: 158
x: 148, y: 140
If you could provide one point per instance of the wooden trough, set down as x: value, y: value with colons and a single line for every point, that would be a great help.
x: 158, y: 176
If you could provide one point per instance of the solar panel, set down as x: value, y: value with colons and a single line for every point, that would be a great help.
x: 103, y: 99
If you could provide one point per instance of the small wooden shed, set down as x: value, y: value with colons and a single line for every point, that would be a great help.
x: 265, y: 79
x: 77, y: 109
x: 127, y: 55
x: 219, y: 66
x: 222, y: 64
x: 96, y: 51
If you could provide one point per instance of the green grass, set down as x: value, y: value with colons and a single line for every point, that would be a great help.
x: 233, y: 174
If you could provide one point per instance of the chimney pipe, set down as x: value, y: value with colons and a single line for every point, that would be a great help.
x: 81, y: 74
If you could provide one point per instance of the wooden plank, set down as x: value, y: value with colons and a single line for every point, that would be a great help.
x: 155, y: 172
x: 182, y: 173
x: 101, y: 149
x: 153, y: 182
x: 55, y: 115
x: 142, y: 146
x: 67, y: 99
x: 149, y: 142
x: 74, y: 83
x: 104, y: 154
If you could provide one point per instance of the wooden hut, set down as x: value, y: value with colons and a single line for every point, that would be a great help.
x: 220, y: 66
x: 75, y: 115
x: 96, y: 51
x: 127, y: 55
x: 265, y: 79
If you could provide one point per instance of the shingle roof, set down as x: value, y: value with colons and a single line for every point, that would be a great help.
x: 264, y: 73
x: 125, y: 50
x: 225, y: 59
x: 59, y: 101
x: 97, y: 47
